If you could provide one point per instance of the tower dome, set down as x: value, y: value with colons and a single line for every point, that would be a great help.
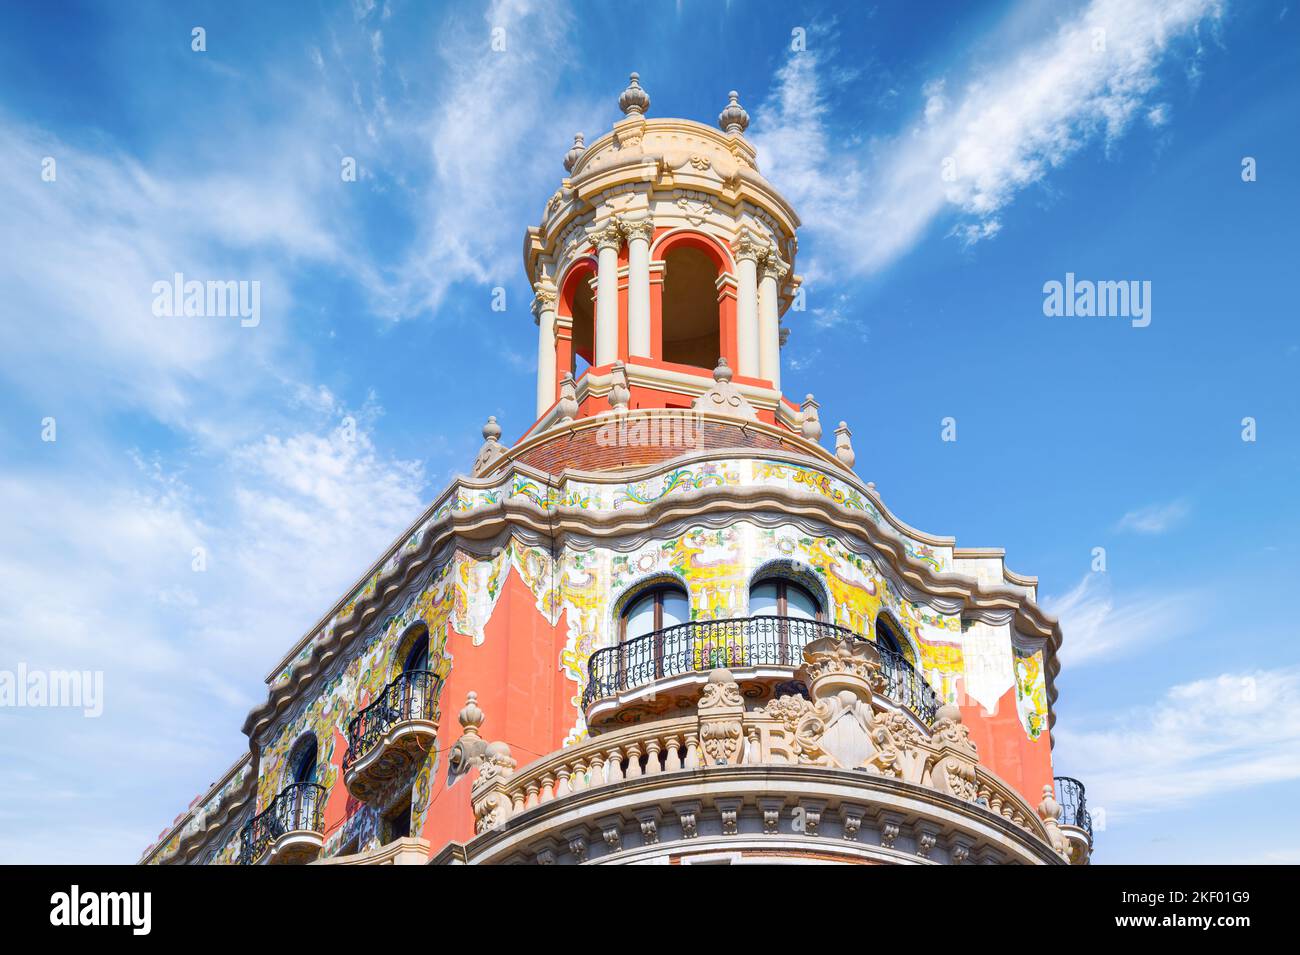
x: 665, y: 249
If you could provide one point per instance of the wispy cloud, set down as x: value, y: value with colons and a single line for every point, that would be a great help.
x: 1154, y: 519
x: 110, y: 580
x: 1213, y: 735
x: 1097, y: 625
x: 974, y: 144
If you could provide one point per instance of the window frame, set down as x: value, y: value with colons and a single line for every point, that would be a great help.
x: 657, y: 591
x: 782, y: 596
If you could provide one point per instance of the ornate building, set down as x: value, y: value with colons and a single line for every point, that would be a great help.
x: 666, y: 624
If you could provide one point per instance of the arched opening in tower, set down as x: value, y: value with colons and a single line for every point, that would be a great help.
x: 691, y: 324
x: 584, y: 327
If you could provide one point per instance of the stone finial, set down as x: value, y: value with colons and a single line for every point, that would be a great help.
x: 810, y: 426
x: 467, y: 752
x: 725, y: 398
x: 733, y: 119
x: 492, y: 449
x: 844, y: 446
x: 1049, y: 808
x: 634, y: 101
x: 568, y: 403
x: 575, y: 152
x: 620, y: 394
x: 471, y: 717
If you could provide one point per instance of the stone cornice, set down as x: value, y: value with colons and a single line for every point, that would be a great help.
x: 228, y: 806
x: 877, y: 794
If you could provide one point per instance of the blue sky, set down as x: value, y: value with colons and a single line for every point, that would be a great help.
x: 1180, y: 695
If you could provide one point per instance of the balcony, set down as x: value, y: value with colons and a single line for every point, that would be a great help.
x: 393, y: 734
x: 740, y: 644
x: 1075, y: 820
x: 290, y: 830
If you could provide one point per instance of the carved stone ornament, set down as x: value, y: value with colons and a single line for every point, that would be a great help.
x: 721, y: 709
x: 810, y: 425
x: 567, y: 406
x: 696, y: 211
x: 492, y: 449
x: 724, y: 398
x: 844, y: 445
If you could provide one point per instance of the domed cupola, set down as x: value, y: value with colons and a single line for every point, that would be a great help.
x: 663, y: 251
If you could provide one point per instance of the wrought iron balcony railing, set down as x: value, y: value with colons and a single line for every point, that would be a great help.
x: 1073, y: 799
x: 738, y: 642
x: 412, y: 696
x: 298, y: 808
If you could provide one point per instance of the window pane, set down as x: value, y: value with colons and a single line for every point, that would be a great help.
x: 762, y: 600
x: 799, y: 603
x: 676, y: 608
x: 641, y: 617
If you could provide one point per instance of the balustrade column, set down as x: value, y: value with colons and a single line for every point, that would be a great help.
x: 607, y: 241
x: 633, y: 761
x: 692, y: 751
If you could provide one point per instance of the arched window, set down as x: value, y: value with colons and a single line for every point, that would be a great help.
x: 417, y: 658
x: 665, y: 605
x: 577, y: 307
x: 692, y: 333
x: 887, y: 635
x: 777, y: 597
x: 302, y: 762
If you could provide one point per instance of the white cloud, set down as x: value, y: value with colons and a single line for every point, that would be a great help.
x: 1214, y: 735
x: 1096, y: 625
x: 495, y: 141
x: 1154, y: 519
x: 102, y: 573
x: 1002, y: 130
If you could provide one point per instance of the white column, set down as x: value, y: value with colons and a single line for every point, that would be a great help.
x: 638, y: 285
x: 544, y: 309
x: 769, y: 319
x: 747, y: 251
x: 607, y: 242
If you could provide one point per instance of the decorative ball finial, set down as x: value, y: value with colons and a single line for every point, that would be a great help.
x: 634, y: 101
x: 575, y: 152
x: 733, y: 119
x: 723, y: 371
x: 471, y: 717
x: 491, y: 430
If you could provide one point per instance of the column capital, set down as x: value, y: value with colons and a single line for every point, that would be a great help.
x: 773, y: 266
x: 748, y: 246
x: 642, y: 227
x: 545, y: 295
x: 606, y: 236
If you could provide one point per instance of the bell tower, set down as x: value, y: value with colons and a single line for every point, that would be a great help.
x: 663, y: 257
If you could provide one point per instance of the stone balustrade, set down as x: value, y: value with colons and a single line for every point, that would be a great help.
x: 841, y: 725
